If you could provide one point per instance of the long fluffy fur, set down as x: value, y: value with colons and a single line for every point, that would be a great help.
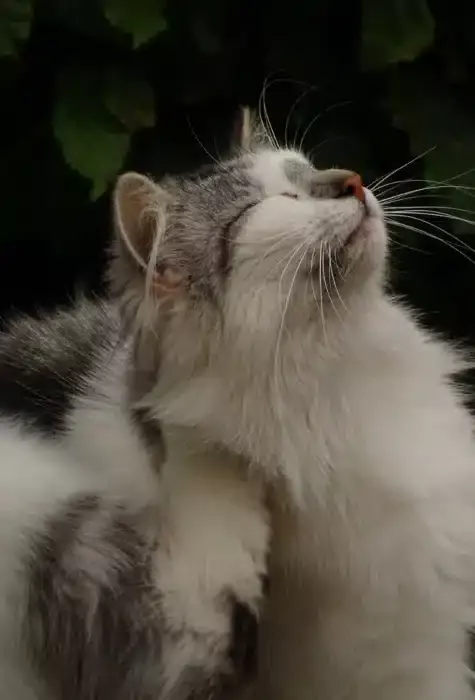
x: 121, y: 575
x: 350, y: 411
x: 279, y: 360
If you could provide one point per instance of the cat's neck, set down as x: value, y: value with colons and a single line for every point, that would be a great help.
x: 304, y: 409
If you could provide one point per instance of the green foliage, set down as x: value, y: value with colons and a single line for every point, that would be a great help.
x: 395, y: 31
x: 15, y: 23
x: 129, y: 98
x: 418, y: 53
x: 142, y: 19
x: 94, y: 117
x: 97, y: 111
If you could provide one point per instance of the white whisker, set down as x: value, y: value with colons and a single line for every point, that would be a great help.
x: 433, y: 236
x: 265, y: 119
x: 325, y: 256
x: 376, y: 184
x: 317, y: 117
x: 287, y: 302
x: 462, y: 243
x: 332, y: 277
x: 436, y: 214
x: 322, y: 311
x: 467, y: 191
x: 287, y: 121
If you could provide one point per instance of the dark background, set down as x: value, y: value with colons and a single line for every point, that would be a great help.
x: 372, y: 83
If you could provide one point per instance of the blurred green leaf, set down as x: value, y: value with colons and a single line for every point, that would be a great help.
x: 130, y: 98
x: 429, y: 113
x: 394, y: 31
x: 15, y: 24
x: 93, y: 142
x: 142, y: 19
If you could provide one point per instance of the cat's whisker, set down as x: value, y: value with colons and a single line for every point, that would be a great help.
x: 446, y: 215
x: 376, y: 184
x: 433, y: 236
x: 287, y: 301
x: 449, y: 180
x: 291, y: 111
x: 335, y: 285
x: 412, y: 216
x: 317, y: 117
x: 265, y: 119
x: 327, y: 282
x: 311, y: 275
x: 466, y: 191
x: 200, y: 143
x: 410, y: 196
x: 322, y: 306
x: 441, y: 190
x: 436, y: 210
x: 294, y: 253
x: 259, y: 262
x: 397, y: 243
x: 322, y: 143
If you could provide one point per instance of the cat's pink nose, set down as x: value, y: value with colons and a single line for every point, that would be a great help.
x: 353, y: 186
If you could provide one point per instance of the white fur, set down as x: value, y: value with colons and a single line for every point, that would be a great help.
x: 348, y: 408
x: 34, y: 478
x: 214, y: 539
x: 207, y: 516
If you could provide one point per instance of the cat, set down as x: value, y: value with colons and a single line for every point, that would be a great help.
x: 132, y: 553
x: 263, y: 283
x: 257, y: 368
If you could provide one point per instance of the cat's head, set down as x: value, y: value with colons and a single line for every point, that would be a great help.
x: 229, y: 262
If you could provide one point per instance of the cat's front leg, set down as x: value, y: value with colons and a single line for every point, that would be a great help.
x: 211, y: 568
x: 155, y: 603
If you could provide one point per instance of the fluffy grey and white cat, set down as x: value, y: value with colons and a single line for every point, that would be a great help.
x: 253, y: 322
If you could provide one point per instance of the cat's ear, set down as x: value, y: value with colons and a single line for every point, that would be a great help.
x: 247, y: 135
x: 138, y: 206
x: 140, y: 209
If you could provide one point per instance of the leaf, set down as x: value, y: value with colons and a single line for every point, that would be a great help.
x: 440, y: 123
x: 15, y: 24
x: 143, y: 19
x: 129, y: 98
x: 93, y: 143
x: 394, y: 31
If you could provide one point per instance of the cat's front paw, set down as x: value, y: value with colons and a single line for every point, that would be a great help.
x: 210, y: 649
x: 211, y: 571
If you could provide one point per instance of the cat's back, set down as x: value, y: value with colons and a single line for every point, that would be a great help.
x: 45, y: 362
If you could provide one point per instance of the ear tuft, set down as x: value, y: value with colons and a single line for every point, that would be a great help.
x: 249, y: 134
x: 244, y: 129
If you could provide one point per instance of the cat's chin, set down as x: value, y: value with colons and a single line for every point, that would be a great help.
x: 366, y: 244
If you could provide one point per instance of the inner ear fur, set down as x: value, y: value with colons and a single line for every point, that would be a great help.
x: 139, y: 209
